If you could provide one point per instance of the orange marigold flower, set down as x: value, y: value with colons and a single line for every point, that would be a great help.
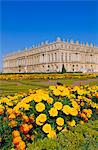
x: 21, y: 145
x: 16, y: 140
x: 1, y: 111
x: 25, y: 118
x: 15, y: 133
x: 24, y: 128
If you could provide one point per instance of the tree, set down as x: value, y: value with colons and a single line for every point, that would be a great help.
x: 63, y: 69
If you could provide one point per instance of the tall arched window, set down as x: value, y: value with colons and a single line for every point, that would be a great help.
x: 55, y: 56
x: 65, y: 57
x: 61, y: 56
x: 52, y: 57
x: 69, y: 57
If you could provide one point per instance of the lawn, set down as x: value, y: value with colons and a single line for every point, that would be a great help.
x: 10, y: 87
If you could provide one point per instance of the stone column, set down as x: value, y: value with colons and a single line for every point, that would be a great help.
x: 58, y: 56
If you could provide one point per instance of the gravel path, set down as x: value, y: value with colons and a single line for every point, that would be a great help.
x: 83, y: 82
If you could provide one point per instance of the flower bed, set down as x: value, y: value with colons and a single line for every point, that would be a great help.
x: 45, y: 113
x: 47, y: 76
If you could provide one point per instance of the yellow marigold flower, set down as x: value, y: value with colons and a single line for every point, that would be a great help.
x: 89, y: 111
x: 65, y: 92
x: 80, y: 91
x: 37, y: 98
x: 75, y: 105
x: 82, y: 103
x: 42, y: 117
x: 9, y: 110
x: 60, y: 121
x: 71, y: 123
x: 4, y: 100
x: 15, y: 133
x: 56, y: 92
x: 94, y: 105
x: 60, y: 87
x: 13, y: 123
x: 73, y: 112
x: 46, y: 128
x: 64, y: 130
x: 45, y: 97
x: 38, y: 122
x: 1, y: 106
x: 82, y: 122
x: 52, y: 87
x: 25, y: 106
x: 12, y: 116
x: 59, y: 128
x: 40, y: 107
x: 50, y: 100
x: 76, y: 88
x: 30, y: 91
x: 52, y: 134
x: 16, y: 108
x: 66, y: 109
x: 53, y: 112
x: 58, y: 105
x: 9, y: 104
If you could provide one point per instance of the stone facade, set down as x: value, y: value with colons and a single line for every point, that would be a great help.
x: 49, y: 57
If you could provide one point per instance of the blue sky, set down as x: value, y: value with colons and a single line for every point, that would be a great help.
x: 24, y: 23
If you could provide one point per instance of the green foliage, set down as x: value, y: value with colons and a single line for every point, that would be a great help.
x: 81, y: 137
x: 5, y: 133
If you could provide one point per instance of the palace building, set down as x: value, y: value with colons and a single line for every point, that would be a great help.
x: 50, y: 57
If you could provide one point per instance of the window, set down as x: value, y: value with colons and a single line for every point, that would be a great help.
x: 55, y: 57
x: 62, y: 57
x: 52, y: 56
x: 65, y: 56
x: 61, y: 46
x: 69, y: 57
